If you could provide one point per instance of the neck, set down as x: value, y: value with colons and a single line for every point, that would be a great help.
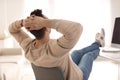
x: 39, y: 43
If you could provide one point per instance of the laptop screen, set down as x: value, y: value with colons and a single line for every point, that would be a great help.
x: 116, y: 33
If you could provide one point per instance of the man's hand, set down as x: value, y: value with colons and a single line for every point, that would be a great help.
x: 18, y: 23
x: 34, y: 23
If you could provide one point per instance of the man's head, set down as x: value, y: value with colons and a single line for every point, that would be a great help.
x: 37, y: 12
x: 38, y: 33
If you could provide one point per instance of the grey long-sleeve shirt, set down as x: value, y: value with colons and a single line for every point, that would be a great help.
x: 55, y: 53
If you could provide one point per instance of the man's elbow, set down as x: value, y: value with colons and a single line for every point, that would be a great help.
x: 79, y: 28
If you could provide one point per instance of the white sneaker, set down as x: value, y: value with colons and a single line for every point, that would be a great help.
x: 103, y: 32
x: 100, y: 38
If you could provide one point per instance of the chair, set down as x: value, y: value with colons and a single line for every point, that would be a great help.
x: 43, y: 73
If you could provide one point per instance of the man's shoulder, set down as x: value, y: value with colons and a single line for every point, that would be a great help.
x: 27, y: 42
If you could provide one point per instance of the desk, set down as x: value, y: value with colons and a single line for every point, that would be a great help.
x: 113, y: 56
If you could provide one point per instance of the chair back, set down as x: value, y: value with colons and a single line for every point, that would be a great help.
x: 43, y: 73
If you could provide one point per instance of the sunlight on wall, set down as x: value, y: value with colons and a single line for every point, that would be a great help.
x: 31, y: 5
x: 92, y: 14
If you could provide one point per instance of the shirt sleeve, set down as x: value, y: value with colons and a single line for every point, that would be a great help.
x: 20, y: 36
x: 71, y: 32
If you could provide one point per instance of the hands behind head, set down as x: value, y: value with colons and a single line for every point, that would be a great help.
x: 34, y: 23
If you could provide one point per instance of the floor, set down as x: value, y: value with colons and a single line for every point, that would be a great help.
x: 104, y: 69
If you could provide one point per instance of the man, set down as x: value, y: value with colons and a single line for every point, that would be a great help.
x: 45, y: 52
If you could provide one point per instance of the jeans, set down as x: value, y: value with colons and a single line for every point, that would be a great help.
x: 84, y: 58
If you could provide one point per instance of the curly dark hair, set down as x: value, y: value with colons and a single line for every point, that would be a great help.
x: 41, y: 32
x: 37, y: 12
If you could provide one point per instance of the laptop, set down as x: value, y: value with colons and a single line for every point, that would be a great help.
x: 115, y: 42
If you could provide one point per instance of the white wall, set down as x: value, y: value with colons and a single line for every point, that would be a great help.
x: 115, y: 8
x: 92, y: 14
x: 10, y: 10
x: 14, y: 10
x: 2, y: 15
x: 31, y: 5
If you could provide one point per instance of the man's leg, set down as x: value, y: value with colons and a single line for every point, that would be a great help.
x: 77, y: 54
x: 86, y: 63
x: 99, y: 42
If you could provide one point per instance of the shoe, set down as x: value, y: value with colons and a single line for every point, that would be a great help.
x: 103, y: 32
x: 100, y: 38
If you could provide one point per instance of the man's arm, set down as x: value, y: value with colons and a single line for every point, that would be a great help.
x: 71, y: 33
x: 17, y: 32
x: 71, y: 30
